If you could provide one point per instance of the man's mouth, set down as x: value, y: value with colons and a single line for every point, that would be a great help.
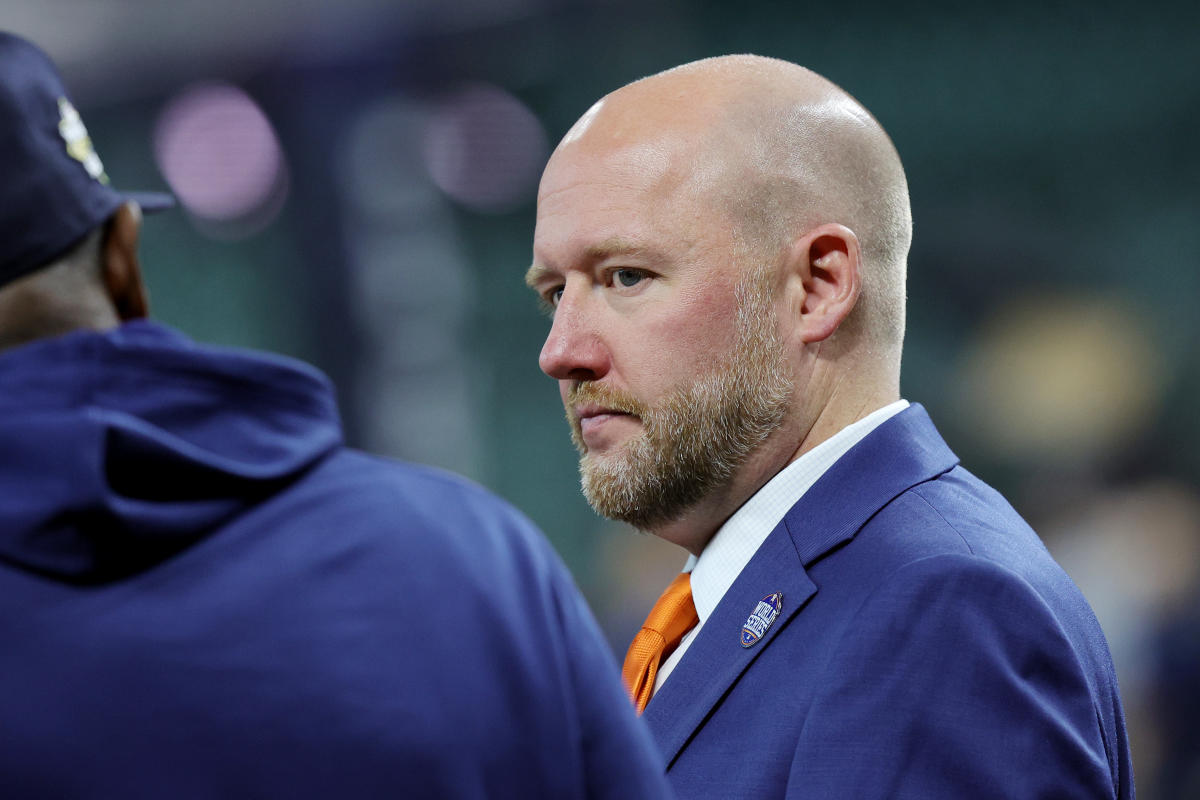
x: 596, y: 414
x: 593, y: 418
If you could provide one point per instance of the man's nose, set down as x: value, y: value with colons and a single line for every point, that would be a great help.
x: 575, y: 348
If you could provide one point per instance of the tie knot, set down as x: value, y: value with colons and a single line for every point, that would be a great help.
x: 672, y: 616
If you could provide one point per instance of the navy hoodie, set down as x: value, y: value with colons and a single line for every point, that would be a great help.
x: 204, y: 594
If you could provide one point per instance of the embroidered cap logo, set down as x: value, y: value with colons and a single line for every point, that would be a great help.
x: 79, y: 144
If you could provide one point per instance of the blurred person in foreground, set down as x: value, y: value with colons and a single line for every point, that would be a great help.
x: 203, y: 593
x: 723, y: 247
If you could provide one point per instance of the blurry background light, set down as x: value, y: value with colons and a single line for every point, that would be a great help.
x: 1062, y: 378
x: 411, y: 291
x: 380, y: 168
x: 221, y: 157
x: 485, y: 148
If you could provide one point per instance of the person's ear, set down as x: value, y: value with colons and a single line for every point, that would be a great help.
x: 824, y: 280
x: 119, y: 263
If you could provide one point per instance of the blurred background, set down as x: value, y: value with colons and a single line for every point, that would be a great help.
x: 357, y: 179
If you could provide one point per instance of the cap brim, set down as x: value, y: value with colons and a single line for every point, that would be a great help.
x: 150, y: 202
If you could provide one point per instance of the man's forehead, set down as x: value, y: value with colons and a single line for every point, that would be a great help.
x: 590, y: 198
x: 637, y: 164
x: 645, y: 110
x: 623, y: 144
x: 620, y: 181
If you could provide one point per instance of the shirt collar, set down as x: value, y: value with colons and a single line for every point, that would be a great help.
x: 735, y: 542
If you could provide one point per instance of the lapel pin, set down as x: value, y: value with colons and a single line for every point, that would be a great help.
x: 764, y: 614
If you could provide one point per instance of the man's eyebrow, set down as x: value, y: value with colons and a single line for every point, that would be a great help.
x: 534, y: 275
x: 615, y: 246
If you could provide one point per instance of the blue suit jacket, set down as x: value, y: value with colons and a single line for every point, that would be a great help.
x: 928, y: 646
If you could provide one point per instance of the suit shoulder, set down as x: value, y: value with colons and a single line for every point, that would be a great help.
x: 956, y: 523
x: 958, y: 513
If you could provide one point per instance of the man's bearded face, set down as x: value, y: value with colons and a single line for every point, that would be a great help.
x: 696, y: 437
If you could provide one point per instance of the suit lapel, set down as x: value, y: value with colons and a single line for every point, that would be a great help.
x: 902, y: 452
x: 716, y: 659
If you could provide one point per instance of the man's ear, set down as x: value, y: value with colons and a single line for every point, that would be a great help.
x: 119, y: 263
x: 824, y: 280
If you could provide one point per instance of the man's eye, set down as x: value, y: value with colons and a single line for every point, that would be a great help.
x: 628, y: 277
x: 548, y: 300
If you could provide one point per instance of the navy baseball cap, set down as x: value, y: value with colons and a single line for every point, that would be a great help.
x: 53, y: 188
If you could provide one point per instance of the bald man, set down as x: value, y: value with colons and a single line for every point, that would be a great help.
x: 723, y: 247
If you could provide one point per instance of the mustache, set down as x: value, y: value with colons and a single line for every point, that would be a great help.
x: 590, y: 393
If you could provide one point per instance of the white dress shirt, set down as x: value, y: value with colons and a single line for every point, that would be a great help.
x: 735, y: 542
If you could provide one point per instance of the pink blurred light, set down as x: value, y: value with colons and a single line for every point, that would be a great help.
x: 485, y: 148
x: 219, y: 153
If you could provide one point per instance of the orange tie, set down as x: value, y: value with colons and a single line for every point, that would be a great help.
x: 672, y: 616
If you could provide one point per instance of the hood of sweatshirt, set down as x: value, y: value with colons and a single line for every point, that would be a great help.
x: 120, y: 449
